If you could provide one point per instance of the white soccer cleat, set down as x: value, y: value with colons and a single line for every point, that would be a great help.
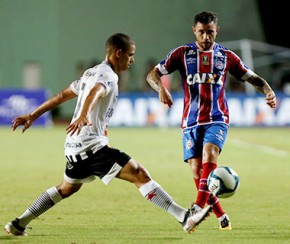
x: 193, y: 219
x: 13, y: 229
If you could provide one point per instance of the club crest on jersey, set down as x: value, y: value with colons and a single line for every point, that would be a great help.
x: 219, y: 64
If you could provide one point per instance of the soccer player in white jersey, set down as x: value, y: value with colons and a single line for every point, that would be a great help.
x: 86, y: 147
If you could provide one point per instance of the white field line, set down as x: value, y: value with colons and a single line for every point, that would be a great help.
x: 262, y: 148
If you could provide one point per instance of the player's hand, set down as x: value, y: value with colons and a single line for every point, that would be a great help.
x: 165, y: 97
x: 271, y: 99
x: 26, y: 120
x: 77, y: 125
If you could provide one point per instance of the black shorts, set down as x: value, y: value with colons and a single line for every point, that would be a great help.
x: 105, y: 163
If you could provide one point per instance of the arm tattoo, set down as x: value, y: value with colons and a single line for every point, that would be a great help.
x: 259, y: 83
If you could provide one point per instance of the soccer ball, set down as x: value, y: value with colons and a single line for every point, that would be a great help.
x: 223, y: 182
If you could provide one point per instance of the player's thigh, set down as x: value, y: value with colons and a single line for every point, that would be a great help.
x: 134, y: 172
x: 215, y: 134
x: 192, y: 143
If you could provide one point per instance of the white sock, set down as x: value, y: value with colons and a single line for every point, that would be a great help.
x: 222, y: 217
x: 154, y: 193
x: 44, y: 202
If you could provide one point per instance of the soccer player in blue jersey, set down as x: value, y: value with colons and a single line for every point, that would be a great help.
x: 87, y: 151
x: 203, y: 66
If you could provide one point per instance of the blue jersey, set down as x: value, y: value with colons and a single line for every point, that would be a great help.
x: 203, y: 77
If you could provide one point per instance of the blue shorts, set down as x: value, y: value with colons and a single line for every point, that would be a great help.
x: 195, y: 137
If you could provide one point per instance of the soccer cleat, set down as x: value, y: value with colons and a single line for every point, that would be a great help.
x: 14, y: 229
x: 225, y: 224
x: 193, y: 218
x: 187, y: 215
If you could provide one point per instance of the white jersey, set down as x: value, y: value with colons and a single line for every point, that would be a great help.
x: 92, y: 138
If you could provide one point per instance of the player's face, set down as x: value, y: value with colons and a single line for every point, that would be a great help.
x: 127, y: 58
x: 205, y: 35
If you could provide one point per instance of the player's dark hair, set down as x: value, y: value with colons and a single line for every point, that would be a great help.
x: 119, y: 41
x: 205, y: 18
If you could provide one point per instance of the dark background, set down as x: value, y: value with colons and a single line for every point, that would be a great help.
x: 275, y: 21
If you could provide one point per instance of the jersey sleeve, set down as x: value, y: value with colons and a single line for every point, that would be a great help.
x: 91, y: 77
x: 107, y: 80
x: 75, y: 86
x: 237, y: 67
x: 172, y: 62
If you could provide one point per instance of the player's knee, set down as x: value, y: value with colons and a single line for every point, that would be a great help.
x: 142, y: 175
x: 67, y: 190
x: 210, y: 153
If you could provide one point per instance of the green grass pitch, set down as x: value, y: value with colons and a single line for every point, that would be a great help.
x: 117, y: 213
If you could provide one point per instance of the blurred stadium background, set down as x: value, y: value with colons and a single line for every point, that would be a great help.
x: 44, y: 45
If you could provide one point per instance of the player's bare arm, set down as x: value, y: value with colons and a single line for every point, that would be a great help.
x: 27, y: 119
x: 262, y: 86
x: 153, y: 79
x: 97, y: 92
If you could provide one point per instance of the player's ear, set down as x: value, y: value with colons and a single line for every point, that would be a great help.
x: 218, y: 29
x: 119, y: 53
x: 193, y: 29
